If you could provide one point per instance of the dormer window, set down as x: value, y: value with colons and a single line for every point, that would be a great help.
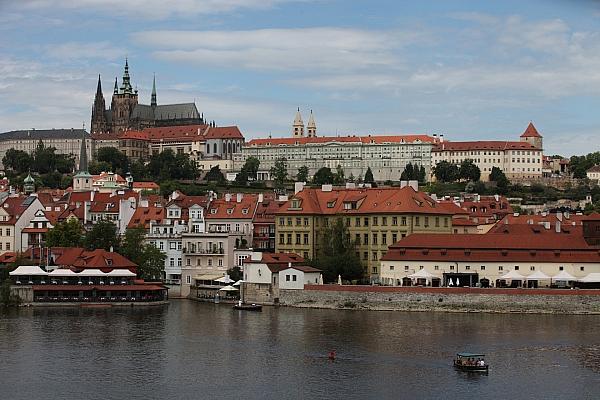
x: 245, y: 211
x: 230, y: 211
x: 296, y: 203
x: 331, y: 204
x: 213, y: 210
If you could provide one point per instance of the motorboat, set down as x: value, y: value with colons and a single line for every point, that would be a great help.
x: 471, y: 362
x: 247, y: 307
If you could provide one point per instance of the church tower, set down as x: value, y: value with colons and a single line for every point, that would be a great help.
x: 99, y: 123
x: 153, y: 103
x: 82, y: 181
x: 123, y: 102
x: 298, y: 127
x: 532, y: 136
x: 311, y: 128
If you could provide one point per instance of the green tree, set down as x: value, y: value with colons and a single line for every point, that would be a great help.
x: 44, y: 159
x: 369, y: 176
x: 241, y: 178
x: 302, y: 175
x: 18, y: 161
x: 469, y: 171
x: 324, y: 176
x: 215, y: 175
x: 235, y: 273
x: 339, y: 177
x: 103, y: 235
x: 337, y: 254
x: 446, y: 172
x: 496, y: 175
x: 279, y: 173
x: 64, y: 163
x: 150, y: 260
x: 408, y: 174
x: 118, y: 161
x: 96, y: 167
x: 251, y: 167
x: 65, y: 234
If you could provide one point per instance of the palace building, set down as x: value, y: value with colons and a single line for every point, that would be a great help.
x: 518, y: 160
x: 386, y: 155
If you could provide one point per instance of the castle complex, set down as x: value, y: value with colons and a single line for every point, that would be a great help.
x: 126, y: 113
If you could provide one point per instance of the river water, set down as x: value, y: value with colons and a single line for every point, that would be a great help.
x: 189, y: 350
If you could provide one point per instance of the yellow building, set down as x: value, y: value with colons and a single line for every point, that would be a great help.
x: 375, y: 217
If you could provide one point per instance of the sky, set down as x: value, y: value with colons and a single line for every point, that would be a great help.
x: 471, y: 70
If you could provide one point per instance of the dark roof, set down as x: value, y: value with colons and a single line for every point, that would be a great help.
x: 165, y: 112
x: 36, y: 134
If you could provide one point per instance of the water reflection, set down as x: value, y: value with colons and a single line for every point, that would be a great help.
x: 192, y: 350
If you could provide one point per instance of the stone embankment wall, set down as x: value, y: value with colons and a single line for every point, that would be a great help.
x: 558, y: 301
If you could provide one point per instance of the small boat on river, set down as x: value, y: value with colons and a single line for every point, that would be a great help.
x: 471, y: 362
x: 247, y: 307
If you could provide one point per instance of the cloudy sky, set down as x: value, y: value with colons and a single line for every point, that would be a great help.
x: 467, y: 69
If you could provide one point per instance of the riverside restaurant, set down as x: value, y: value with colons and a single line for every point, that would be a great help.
x: 89, y: 285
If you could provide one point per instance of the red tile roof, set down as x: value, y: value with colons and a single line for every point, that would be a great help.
x: 222, y: 209
x: 146, y: 185
x: 483, y: 145
x: 14, y: 207
x: 139, y: 135
x: 531, y: 131
x: 493, y: 247
x: 368, y: 201
x: 595, y: 168
x: 223, y: 132
x: 378, y: 139
x: 144, y: 215
x: 80, y: 258
x: 189, y: 133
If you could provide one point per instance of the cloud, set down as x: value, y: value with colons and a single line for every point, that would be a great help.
x: 85, y: 50
x: 153, y: 9
x: 323, y: 48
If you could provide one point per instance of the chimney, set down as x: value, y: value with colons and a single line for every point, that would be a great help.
x: 290, y: 264
x: 239, y: 197
x: 298, y: 187
x: 326, y: 188
x: 546, y: 225
x: 414, y: 185
x: 86, y: 210
x: 497, y: 197
x: 557, y: 226
x: 441, y: 138
x: 261, y: 197
x: 559, y: 216
x: 350, y: 185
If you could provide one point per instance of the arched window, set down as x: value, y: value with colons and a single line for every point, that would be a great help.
x: 214, y: 148
x: 229, y: 148
x: 207, y: 148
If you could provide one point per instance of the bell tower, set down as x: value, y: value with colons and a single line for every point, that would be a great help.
x: 298, y: 126
x: 123, y: 102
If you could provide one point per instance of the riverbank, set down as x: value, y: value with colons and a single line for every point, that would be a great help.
x: 465, y: 300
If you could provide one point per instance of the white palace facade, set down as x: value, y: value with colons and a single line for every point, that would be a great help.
x: 386, y: 155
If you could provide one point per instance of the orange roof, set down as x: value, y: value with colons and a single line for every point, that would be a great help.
x: 14, y: 207
x: 145, y: 215
x: 379, y: 139
x: 81, y: 259
x: 140, y: 135
x: 190, y: 133
x: 483, y: 145
x: 389, y: 200
x: 493, y: 247
x: 223, y: 209
x: 223, y: 132
x: 145, y: 185
x: 531, y: 131
x: 105, y: 135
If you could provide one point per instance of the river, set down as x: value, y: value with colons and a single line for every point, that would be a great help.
x: 189, y: 350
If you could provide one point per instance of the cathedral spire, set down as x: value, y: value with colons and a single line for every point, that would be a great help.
x: 99, y: 88
x: 126, y: 86
x: 83, y: 161
x: 116, y: 89
x: 153, y: 96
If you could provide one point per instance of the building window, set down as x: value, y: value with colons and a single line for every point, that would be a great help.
x: 374, y: 256
x: 383, y: 238
x: 305, y: 255
x: 188, y: 279
x: 294, y: 278
x: 366, y: 221
x: 394, y: 237
x: 357, y: 222
x: 417, y: 221
x: 365, y: 255
x: 287, y: 278
x: 289, y: 222
x: 403, y: 221
x: 561, y: 268
x: 467, y: 267
x: 500, y: 268
x: 395, y: 221
x: 406, y: 268
x: 171, y: 262
x: 532, y: 268
x: 281, y: 222
x: 384, y: 221
x: 437, y: 222
x: 305, y: 221
x: 375, y: 221
x: 366, y: 239
x: 391, y: 267
x: 582, y: 268
x: 426, y: 222
x: 483, y: 267
x: 516, y: 267
x: 289, y: 238
x: 297, y: 238
x: 306, y: 238
x: 375, y: 238
x: 298, y: 221
x: 436, y: 268
x: 452, y: 268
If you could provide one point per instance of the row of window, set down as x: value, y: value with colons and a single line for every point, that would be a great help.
x: 481, y: 268
x: 364, y: 221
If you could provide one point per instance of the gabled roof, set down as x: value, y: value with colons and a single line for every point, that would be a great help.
x: 101, y: 259
x: 223, y: 132
x: 165, y: 112
x: 44, y: 134
x: 14, y: 207
x: 223, y: 209
x: 144, y: 215
x: 595, y: 168
x: 176, y: 133
x: 531, y: 131
x: 389, y: 200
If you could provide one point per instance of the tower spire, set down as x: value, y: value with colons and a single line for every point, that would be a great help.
x: 311, y: 128
x: 99, y: 88
x: 83, y: 161
x: 298, y: 126
x: 116, y: 89
x: 153, y: 96
x: 126, y: 85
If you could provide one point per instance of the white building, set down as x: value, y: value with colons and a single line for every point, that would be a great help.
x: 593, y: 174
x: 517, y: 159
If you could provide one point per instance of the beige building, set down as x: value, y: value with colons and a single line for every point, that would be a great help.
x: 522, y: 160
x: 65, y: 141
x: 494, y: 259
x: 376, y: 218
x: 593, y: 174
